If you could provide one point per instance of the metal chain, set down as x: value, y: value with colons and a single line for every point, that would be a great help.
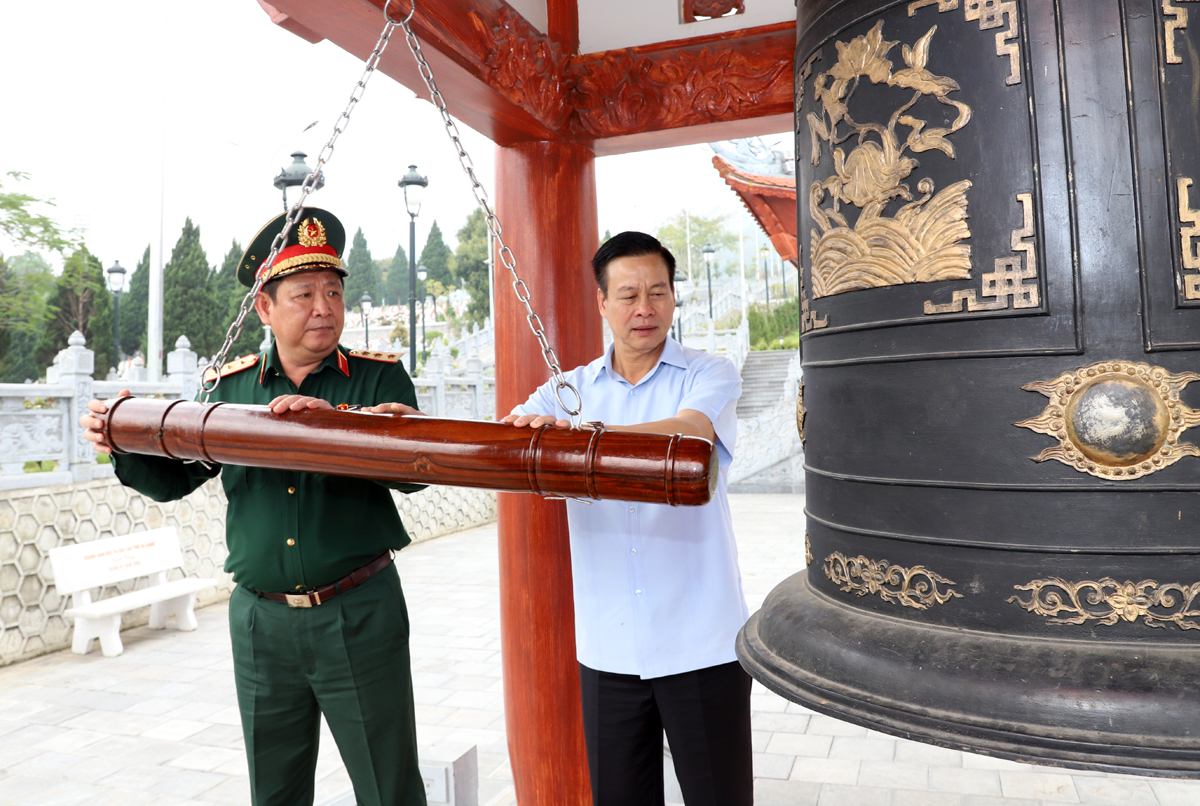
x: 477, y: 188
x: 235, y: 329
x: 493, y: 223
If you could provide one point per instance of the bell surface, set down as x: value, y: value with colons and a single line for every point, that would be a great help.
x: 1000, y: 256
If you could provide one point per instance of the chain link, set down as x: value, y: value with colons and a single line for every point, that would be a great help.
x: 293, y: 215
x: 493, y: 223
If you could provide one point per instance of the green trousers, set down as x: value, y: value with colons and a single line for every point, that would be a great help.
x: 347, y: 658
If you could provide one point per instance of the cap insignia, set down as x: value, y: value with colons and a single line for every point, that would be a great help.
x: 311, y: 232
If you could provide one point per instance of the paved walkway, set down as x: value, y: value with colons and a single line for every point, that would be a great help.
x: 159, y: 725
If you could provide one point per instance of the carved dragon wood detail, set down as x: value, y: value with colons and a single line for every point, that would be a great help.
x: 608, y: 94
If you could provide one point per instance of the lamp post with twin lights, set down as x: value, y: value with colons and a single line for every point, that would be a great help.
x: 294, y: 175
x: 765, y: 252
x: 709, y: 250
x: 414, y: 186
x: 364, y: 305
x: 422, y: 273
x: 116, y: 284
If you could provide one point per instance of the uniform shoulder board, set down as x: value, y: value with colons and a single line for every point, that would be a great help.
x: 236, y: 365
x: 374, y: 355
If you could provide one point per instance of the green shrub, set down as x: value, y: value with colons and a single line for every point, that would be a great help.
x: 766, y: 329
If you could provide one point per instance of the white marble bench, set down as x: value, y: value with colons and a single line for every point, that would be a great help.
x: 79, y: 568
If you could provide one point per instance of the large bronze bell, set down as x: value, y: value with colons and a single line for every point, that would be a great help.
x: 999, y: 207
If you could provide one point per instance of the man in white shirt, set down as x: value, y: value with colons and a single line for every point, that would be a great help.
x: 658, y: 592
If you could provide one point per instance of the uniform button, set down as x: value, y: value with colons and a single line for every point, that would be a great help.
x: 291, y: 490
x: 291, y: 542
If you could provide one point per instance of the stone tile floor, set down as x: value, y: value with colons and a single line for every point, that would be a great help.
x: 159, y: 724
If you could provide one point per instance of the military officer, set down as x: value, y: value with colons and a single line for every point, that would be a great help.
x: 317, y: 620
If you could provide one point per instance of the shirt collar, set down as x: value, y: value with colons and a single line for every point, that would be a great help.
x: 672, y: 354
x: 271, y: 363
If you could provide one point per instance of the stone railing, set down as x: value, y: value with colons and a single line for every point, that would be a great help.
x: 466, y: 393
x: 769, y: 456
x: 33, y: 521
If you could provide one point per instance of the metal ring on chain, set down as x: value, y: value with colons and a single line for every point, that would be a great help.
x: 388, y: 16
x: 578, y: 409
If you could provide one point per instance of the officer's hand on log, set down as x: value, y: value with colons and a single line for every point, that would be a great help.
x: 297, y: 402
x: 94, y: 424
x: 536, y: 420
x: 394, y: 408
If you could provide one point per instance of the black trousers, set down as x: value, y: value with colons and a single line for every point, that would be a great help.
x: 706, y: 715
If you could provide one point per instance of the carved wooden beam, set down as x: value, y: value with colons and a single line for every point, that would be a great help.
x: 503, y: 77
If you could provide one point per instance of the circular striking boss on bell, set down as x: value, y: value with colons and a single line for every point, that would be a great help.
x: 1001, y: 320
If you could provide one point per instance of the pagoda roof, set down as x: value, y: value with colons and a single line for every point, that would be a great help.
x: 771, y: 199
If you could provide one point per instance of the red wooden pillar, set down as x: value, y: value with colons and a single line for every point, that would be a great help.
x: 546, y: 200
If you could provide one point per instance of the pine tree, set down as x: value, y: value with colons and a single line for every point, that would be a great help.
x: 80, y: 301
x: 395, y: 284
x: 6, y: 334
x: 364, y: 274
x: 471, y: 258
x: 25, y: 283
x: 190, y: 308
x: 227, y: 287
x: 135, y: 308
x: 437, y: 258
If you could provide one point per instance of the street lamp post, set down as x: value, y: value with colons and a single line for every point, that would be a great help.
x: 413, y: 185
x: 294, y: 176
x: 709, y: 251
x: 765, y: 252
x: 422, y: 273
x: 364, y: 305
x: 431, y: 302
x: 116, y: 284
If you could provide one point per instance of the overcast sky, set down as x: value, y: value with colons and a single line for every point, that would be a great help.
x: 129, y: 112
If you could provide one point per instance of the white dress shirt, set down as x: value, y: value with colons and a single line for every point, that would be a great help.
x: 657, y: 588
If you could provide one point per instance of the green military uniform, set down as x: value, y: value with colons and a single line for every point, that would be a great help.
x: 286, y: 530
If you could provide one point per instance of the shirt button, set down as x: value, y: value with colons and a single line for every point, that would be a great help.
x: 638, y: 592
x: 634, y: 551
x: 631, y: 509
x: 291, y: 542
x: 291, y: 490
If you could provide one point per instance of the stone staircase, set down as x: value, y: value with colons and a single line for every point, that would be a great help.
x: 763, y: 377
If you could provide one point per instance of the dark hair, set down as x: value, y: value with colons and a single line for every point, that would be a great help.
x: 629, y: 244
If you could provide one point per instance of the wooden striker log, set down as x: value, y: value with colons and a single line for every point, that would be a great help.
x: 599, y: 464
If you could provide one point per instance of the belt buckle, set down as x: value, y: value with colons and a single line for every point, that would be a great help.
x: 298, y: 600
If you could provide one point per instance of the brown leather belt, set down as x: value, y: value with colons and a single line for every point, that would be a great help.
x: 316, y: 596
